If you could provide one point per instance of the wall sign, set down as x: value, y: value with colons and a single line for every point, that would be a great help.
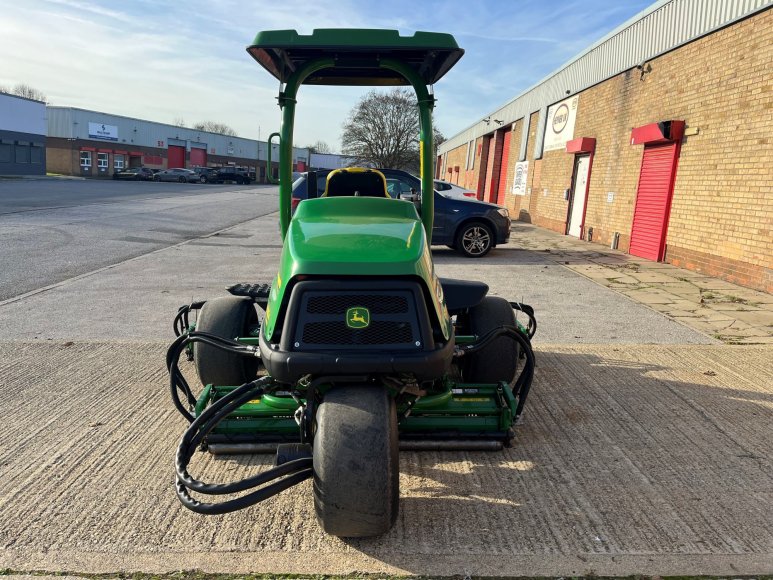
x: 519, y: 177
x: 560, y: 124
x: 101, y: 131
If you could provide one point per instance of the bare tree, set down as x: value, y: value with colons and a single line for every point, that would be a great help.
x: 319, y: 147
x: 26, y: 91
x: 383, y: 131
x: 179, y: 122
x: 214, y: 127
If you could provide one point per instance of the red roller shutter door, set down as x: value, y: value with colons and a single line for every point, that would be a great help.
x: 198, y: 157
x: 501, y: 190
x: 175, y: 157
x: 653, y: 201
x: 489, y: 173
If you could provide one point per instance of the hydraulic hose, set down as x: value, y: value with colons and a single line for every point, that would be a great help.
x: 523, y: 383
x: 177, y: 382
x: 181, y: 322
x: 292, y: 472
x: 529, y: 312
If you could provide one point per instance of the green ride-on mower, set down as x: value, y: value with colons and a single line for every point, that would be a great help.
x: 356, y: 349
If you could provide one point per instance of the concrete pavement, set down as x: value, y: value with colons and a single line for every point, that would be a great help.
x: 649, y: 460
x: 645, y: 447
x: 722, y: 310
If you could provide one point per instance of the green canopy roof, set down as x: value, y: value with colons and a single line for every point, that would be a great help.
x: 357, y: 53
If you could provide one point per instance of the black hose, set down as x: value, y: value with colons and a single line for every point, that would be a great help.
x: 528, y: 311
x: 177, y: 382
x: 295, y: 471
x: 181, y: 322
x: 522, y: 385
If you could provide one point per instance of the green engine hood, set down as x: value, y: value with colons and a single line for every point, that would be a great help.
x: 343, y: 235
x: 354, y: 236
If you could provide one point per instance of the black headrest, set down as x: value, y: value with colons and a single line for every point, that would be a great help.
x: 363, y: 183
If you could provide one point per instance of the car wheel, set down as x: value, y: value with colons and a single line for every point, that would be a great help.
x: 202, y: 179
x: 474, y: 240
x: 137, y: 178
x: 181, y: 179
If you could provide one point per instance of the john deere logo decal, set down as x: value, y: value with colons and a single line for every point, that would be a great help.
x: 358, y: 317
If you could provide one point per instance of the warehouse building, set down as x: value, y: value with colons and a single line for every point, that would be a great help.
x: 656, y: 140
x: 94, y: 144
x: 22, y: 136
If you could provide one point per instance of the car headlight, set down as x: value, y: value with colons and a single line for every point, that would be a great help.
x: 504, y: 212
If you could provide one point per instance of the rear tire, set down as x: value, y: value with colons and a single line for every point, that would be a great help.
x: 356, y: 462
x: 227, y: 317
x: 499, y: 360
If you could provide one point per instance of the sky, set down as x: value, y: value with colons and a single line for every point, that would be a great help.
x: 162, y: 61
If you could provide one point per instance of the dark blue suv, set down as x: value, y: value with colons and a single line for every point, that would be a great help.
x: 470, y: 227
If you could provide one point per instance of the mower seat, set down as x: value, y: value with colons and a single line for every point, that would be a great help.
x: 356, y: 182
x: 462, y: 294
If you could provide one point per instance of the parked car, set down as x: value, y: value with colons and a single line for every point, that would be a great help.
x: 177, y: 174
x: 205, y: 174
x: 135, y: 173
x: 231, y: 174
x: 469, y: 226
x: 454, y: 191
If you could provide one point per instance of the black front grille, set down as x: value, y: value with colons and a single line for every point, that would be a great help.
x: 339, y: 303
x: 378, y: 333
x: 393, y: 316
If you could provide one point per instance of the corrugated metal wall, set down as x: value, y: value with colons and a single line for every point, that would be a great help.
x: 662, y: 27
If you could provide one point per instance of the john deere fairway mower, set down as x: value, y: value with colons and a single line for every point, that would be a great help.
x: 356, y: 349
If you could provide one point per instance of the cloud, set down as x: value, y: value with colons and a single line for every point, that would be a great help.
x: 162, y: 60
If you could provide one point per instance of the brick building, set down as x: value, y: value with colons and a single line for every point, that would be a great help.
x: 656, y: 140
x: 95, y: 144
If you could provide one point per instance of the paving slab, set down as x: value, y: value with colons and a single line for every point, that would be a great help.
x: 631, y: 460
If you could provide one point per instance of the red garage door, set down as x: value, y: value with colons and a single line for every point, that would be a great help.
x: 176, y: 157
x: 501, y: 190
x: 198, y: 157
x: 653, y: 201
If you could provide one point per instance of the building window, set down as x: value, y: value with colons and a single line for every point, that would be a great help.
x: 36, y: 154
x: 5, y: 153
x: 118, y: 161
x: 85, y: 158
x: 22, y: 153
x: 102, y: 160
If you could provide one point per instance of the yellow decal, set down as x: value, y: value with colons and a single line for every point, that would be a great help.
x: 357, y: 317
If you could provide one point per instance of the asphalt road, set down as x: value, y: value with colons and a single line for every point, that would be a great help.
x: 55, y: 230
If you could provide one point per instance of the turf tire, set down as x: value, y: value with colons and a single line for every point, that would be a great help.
x: 356, y: 463
x: 498, y: 361
x: 227, y: 317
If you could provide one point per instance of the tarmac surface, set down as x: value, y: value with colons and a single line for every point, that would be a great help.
x: 646, y: 445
